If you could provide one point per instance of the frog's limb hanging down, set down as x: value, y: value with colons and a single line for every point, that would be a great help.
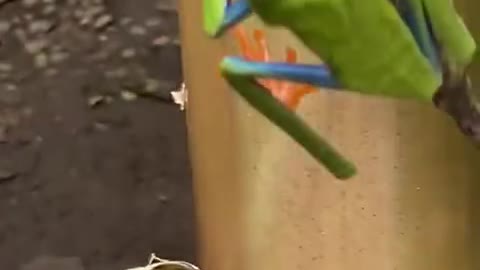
x: 220, y: 16
x: 244, y: 76
x: 288, y: 93
x: 287, y: 120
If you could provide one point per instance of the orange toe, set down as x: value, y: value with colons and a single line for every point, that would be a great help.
x: 289, y: 93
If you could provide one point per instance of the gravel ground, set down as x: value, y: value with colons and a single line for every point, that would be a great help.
x: 94, y: 171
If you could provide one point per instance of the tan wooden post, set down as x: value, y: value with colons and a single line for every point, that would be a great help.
x: 263, y: 203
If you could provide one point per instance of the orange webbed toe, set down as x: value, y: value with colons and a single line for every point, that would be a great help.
x: 289, y: 93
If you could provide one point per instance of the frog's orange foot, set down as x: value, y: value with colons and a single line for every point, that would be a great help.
x: 289, y: 93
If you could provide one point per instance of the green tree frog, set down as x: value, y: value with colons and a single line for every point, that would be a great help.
x: 406, y: 49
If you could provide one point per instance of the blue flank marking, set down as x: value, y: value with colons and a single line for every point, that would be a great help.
x: 435, y: 44
x: 234, y: 13
x: 430, y: 49
x: 408, y: 16
x: 317, y: 75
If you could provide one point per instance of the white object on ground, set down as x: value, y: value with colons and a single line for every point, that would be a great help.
x: 155, y: 263
x: 180, y: 97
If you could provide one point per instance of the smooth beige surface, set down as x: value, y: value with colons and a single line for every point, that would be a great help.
x: 263, y: 203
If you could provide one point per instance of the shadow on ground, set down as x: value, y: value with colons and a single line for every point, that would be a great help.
x: 93, y: 158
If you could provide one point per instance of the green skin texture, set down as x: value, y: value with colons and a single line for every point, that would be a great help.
x: 358, y: 40
x: 359, y: 30
x: 459, y: 46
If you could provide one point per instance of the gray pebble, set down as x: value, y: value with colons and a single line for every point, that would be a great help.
x: 40, y: 60
x: 40, y: 26
x: 58, y: 57
x: 103, y: 21
x: 128, y: 53
x: 152, y: 85
x: 165, y: 5
x: 102, y: 38
x: 126, y: 20
x: 128, y: 96
x: 137, y: 30
x: 100, y: 126
x: 162, y: 198
x: 49, y: 9
x: 117, y: 73
x: 5, y: 26
x: 49, y: 72
x: 161, y: 41
x: 5, y: 67
x: 7, y: 175
x: 93, y: 101
x: 153, y: 22
x: 10, y: 87
x: 36, y: 46
x: 85, y: 20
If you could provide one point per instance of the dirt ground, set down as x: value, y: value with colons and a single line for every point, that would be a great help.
x: 93, y: 157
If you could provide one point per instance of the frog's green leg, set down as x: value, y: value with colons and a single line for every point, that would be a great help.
x: 242, y: 74
x: 220, y: 15
x: 458, y: 44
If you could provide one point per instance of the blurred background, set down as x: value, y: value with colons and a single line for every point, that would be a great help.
x: 94, y: 170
